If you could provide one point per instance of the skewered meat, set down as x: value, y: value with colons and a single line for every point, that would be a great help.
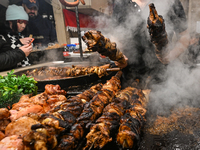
x: 132, y: 121
x: 53, y: 101
x: 24, y: 111
x: 3, y: 124
x: 43, y: 138
x: 87, y: 95
x: 13, y: 142
x: 39, y: 103
x: 100, y: 133
x: 158, y: 34
x: 77, y: 70
x: 20, y: 127
x: 4, y: 113
x: 54, y: 89
x: 91, y: 111
x: 2, y: 135
x: 97, y: 42
x: 99, y: 101
x: 49, y: 73
x: 61, y: 118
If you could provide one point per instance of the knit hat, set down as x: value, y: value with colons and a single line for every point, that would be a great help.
x: 31, y: 3
x: 15, y: 12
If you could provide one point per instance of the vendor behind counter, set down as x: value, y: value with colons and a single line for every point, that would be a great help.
x: 42, y: 29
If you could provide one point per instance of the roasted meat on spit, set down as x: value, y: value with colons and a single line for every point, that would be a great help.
x: 158, y: 34
x: 132, y: 121
x: 91, y: 112
x: 97, y: 42
x: 58, y: 120
x: 101, y: 133
x: 48, y: 73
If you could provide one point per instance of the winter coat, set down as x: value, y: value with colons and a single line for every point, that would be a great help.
x: 10, y: 54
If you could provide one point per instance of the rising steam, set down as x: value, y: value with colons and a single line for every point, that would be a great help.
x: 181, y: 83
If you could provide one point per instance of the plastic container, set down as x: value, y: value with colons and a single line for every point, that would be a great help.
x: 77, y: 46
x: 65, y: 51
x: 71, y: 47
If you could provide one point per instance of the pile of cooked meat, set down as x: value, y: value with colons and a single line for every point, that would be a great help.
x: 52, y: 73
x: 51, y: 121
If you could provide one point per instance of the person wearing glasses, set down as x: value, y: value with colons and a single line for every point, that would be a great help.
x: 41, y: 28
x: 14, y: 46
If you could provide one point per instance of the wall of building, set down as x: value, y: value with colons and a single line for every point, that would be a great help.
x: 192, y: 9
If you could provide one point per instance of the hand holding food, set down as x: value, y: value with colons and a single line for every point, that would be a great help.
x: 26, y: 49
x: 97, y: 42
x: 26, y: 40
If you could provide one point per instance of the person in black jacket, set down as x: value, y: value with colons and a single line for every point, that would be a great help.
x: 42, y: 29
x: 130, y: 19
x: 14, y: 48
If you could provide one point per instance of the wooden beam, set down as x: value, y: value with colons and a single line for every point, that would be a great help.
x: 62, y: 34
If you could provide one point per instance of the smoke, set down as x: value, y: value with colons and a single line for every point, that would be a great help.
x: 180, y: 85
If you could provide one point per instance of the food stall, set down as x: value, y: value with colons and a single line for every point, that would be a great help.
x: 88, y: 111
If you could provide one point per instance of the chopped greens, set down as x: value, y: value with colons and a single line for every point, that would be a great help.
x: 12, y: 87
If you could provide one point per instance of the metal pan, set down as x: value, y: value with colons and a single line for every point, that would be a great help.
x: 65, y: 83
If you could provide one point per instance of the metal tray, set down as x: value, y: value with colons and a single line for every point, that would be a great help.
x: 65, y: 83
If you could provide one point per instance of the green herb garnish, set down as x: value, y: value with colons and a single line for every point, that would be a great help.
x: 13, y: 87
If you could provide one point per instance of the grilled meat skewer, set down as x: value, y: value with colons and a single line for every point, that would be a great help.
x: 132, y: 121
x: 58, y: 120
x: 100, y: 133
x: 156, y: 27
x: 97, y: 42
x: 61, y: 72
x: 91, y: 111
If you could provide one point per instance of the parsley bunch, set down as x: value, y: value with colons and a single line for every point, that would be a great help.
x: 13, y: 87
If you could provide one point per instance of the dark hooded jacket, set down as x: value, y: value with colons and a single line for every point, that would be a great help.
x: 10, y: 54
x: 42, y: 30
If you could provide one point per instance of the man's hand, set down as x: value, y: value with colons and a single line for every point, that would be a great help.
x: 26, y: 40
x: 26, y: 49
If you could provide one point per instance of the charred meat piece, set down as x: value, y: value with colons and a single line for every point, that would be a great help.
x: 58, y: 120
x: 41, y: 138
x: 91, y: 111
x: 52, y: 73
x: 156, y: 26
x: 54, y: 89
x: 20, y: 127
x: 97, y: 42
x: 102, y: 131
x: 132, y: 121
x: 4, y: 113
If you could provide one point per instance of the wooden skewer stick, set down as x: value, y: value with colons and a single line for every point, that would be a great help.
x: 113, y: 69
x: 92, y: 144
